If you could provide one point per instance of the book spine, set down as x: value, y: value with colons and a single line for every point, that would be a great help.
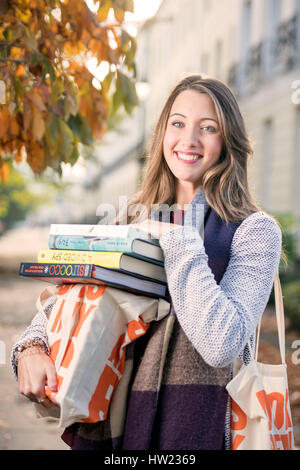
x: 56, y: 270
x: 65, y: 242
x: 104, y: 259
x: 89, y: 230
x: 113, y: 231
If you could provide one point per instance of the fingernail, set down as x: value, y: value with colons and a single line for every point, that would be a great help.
x: 53, y: 389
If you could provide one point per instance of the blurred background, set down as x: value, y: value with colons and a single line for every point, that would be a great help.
x: 253, y: 46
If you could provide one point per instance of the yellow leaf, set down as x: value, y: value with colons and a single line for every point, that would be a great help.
x: 103, y: 10
x: 24, y: 15
x: 38, y: 124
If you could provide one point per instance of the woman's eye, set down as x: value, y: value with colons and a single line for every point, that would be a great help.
x: 208, y: 128
x: 177, y: 124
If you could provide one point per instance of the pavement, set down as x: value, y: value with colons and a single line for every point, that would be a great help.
x: 20, y: 429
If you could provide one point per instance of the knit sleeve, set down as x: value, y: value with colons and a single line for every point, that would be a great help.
x: 220, y: 319
x: 36, y: 331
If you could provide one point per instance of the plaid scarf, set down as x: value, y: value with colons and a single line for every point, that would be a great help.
x: 168, y: 397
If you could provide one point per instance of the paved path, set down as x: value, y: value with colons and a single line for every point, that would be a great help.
x: 20, y: 429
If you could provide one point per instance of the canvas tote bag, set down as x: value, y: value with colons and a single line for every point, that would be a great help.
x: 261, y: 416
x: 88, y: 330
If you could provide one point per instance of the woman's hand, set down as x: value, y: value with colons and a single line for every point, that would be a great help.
x: 35, y: 371
x: 155, y: 228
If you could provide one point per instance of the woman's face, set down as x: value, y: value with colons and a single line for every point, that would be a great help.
x: 192, y: 142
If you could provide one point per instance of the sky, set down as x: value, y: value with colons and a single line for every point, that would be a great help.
x: 143, y: 9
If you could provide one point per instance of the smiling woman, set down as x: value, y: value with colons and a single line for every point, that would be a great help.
x: 201, y: 117
x: 174, y: 394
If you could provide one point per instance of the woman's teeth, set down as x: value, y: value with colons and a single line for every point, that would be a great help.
x: 191, y: 157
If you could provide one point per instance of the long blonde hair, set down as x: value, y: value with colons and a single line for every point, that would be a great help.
x: 225, y: 184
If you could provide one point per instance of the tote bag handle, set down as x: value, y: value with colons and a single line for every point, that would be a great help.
x: 279, y: 320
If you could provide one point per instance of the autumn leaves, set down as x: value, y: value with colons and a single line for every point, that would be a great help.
x: 51, y: 103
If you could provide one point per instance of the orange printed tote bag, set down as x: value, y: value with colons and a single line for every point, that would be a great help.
x: 261, y: 416
x: 88, y: 330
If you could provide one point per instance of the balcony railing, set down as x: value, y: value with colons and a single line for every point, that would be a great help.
x: 271, y: 57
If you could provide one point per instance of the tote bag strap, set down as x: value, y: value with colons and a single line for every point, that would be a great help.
x: 279, y: 320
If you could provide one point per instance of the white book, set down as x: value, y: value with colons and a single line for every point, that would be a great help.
x: 106, y: 231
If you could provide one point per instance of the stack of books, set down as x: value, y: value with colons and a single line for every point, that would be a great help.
x: 120, y: 256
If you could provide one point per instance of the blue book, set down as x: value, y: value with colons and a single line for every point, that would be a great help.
x: 64, y: 273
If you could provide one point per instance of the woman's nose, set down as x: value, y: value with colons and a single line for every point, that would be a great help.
x: 191, y: 136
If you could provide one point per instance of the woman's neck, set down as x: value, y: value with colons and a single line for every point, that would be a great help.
x: 185, y: 193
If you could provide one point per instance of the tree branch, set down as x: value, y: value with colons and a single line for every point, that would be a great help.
x: 18, y: 61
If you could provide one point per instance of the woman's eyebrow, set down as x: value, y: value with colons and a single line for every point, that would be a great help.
x: 209, y: 119
x: 202, y: 119
x: 177, y: 114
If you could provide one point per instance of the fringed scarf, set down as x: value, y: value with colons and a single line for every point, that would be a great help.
x: 168, y: 397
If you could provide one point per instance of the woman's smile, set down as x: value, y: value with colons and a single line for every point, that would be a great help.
x: 188, y: 157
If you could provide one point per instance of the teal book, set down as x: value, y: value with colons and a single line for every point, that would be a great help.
x: 141, y: 248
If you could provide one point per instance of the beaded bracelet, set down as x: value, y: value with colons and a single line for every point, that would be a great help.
x: 26, y: 345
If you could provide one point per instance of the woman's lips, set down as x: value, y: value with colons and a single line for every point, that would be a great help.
x: 188, y: 157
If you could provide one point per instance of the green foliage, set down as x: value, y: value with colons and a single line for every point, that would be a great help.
x: 16, y: 201
x: 289, y: 224
x: 289, y: 271
x: 291, y: 294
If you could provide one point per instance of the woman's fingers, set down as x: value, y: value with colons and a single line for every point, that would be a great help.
x: 45, y: 402
x: 35, y: 371
x: 51, y: 375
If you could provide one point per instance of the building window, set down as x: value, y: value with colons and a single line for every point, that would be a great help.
x: 267, y: 164
x: 273, y: 16
x: 246, y: 28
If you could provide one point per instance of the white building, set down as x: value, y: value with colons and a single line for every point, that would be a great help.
x: 254, y: 46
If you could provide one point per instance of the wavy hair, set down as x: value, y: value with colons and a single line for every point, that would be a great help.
x: 225, y: 184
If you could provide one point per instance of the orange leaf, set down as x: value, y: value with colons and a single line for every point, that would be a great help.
x: 36, y: 158
x: 14, y: 127
x: 4, y: 121
x: 21, y: 71
x: 4, y: 171
x: 19, y: 154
